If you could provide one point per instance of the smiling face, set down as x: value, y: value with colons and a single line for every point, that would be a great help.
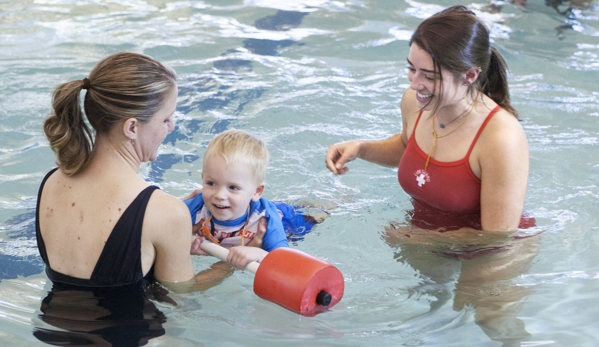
x: 153, y: 132
x: 228, y: 188
x: 434, y: 89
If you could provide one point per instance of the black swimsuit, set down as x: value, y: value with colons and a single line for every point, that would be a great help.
x: 120, y: 261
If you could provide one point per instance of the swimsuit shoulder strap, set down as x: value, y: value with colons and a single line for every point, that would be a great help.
x: 415, y: 125
x: 40, y: 241
x: 482, y: 127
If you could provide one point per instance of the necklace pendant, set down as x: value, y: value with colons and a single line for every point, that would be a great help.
x: 442, y: 126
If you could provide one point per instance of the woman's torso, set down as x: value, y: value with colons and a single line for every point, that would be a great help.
x: 449, y: 186
x: 447, y: 194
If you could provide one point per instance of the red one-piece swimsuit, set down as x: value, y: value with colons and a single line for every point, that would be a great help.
x: 447, y: 194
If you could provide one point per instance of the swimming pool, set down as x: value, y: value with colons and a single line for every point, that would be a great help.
x: 302, y: 75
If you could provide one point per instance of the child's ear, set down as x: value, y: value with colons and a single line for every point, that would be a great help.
x: 259, y: 192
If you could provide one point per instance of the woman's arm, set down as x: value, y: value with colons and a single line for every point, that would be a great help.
x: 385, y: 152
x: 169, y: 229
x: 504, y: 166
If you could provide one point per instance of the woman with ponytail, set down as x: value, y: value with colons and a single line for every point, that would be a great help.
x: 462, y: 155
x: 102, y: 230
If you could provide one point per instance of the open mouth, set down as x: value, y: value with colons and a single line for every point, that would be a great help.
x: 220, y: 207
x: 424, y: 98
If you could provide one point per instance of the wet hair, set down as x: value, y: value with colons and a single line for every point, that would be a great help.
x: 457, y: 40
x: 242, y: 148
x: 121, y: 86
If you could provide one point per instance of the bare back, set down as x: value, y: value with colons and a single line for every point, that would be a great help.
x: 77, y: 215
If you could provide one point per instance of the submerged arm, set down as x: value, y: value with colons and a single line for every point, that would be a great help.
x: 169, y: 229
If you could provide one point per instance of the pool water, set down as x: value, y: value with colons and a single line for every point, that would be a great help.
x: 302, y: 75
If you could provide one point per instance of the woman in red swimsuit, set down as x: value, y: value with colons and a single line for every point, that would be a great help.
x: 463, y: 158
x: 462, y: 155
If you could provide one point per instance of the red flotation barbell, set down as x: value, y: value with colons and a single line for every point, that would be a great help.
x: 293, y: 279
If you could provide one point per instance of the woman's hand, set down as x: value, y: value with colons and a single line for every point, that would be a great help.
x: 197, y: 238
x: 385, y: 152
x: 258, y: 239
x: 340, y: 154
x: 196, y: 241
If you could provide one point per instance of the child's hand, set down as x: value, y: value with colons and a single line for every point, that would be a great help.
x: 259, y: 237
x: 192, y: 194
x: 240, y: 256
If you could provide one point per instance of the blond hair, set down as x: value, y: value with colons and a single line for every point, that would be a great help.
x: 240, y: 147
x: 121, y: 86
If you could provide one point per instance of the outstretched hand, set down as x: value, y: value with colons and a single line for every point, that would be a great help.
x: 340, y: 154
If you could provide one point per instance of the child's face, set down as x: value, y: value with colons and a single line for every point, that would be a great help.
x: 228, y: 189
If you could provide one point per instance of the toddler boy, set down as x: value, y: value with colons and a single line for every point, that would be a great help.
x: 231, y: 205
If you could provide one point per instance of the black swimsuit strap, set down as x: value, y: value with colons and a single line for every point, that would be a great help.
x: 41, y: 246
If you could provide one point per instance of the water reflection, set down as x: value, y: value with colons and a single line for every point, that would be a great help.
x: 221, y: 89
x: 121, y: 316
x: 569, y: 9
x: 477, y: 273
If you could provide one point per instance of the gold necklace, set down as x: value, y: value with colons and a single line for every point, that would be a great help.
x: 435, y: 136
x: 443, y: 126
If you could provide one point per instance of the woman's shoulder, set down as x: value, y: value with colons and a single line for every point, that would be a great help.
x: 503, y: 135
x: 165, y: 209
x: 409, y: 106
x: 503, y: 126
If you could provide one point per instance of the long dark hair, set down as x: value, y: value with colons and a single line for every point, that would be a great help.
x: 457, y: 41
x: 121, y: 86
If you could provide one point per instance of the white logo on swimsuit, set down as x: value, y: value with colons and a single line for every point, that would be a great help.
x: 422, y: 177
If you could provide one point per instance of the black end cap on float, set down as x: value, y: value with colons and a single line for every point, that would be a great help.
x: 323, y: 298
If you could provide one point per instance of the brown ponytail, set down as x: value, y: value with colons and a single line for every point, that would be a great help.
x: 70, y: 138
x: 495, y: 84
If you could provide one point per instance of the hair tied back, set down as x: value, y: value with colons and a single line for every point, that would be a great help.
x: 85, y: 83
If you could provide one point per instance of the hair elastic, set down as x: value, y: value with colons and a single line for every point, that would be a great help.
x: 85, y: 83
